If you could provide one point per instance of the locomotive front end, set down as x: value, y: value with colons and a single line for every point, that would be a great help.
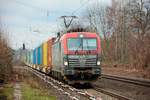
x: 82, y: 57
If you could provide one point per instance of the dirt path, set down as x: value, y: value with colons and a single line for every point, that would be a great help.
x: 17, y: 89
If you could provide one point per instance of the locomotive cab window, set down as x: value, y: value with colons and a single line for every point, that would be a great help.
x: 82, y: 44
x: 89, y: 44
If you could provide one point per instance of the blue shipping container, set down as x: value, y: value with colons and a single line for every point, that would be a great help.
x: 39, y: 55
x: 34, y: 56
x: 31, y: 58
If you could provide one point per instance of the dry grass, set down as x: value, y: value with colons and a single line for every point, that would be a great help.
x: 33, y: 88
x: 7, y: 91
x: 32, y: 92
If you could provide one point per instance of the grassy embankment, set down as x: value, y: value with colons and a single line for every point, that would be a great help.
x: 33, y: 93
x: 29, y: 92
x: 33, y: 89
x: 6, y: 91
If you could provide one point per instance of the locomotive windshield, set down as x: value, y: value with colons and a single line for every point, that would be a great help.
x: 82, y: 44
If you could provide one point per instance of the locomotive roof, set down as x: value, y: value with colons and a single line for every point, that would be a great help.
x: 76, y: 34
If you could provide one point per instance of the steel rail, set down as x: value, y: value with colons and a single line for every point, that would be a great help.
x: 137, y: 81
x: 113, y: 94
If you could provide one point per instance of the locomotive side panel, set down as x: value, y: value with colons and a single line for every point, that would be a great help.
x: 56, y: 56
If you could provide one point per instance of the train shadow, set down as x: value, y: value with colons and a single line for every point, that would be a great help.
x: 82, y: 86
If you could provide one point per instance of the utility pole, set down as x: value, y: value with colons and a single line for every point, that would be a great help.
x: 23, y: 46
x: 65, y: 20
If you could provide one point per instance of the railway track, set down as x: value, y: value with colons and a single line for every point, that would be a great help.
x: 122, y: 96
x: 113, y: 94
x: 79, y: 94
x: 141, y: 82
x: 71, y: 92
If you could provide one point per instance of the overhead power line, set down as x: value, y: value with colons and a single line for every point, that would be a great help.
x: 82, y: 5
x: 38, y: 8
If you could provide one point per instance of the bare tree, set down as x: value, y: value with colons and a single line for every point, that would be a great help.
x: 97, y: 17
x: 5, y: 59
x: 139, y: 12
x: 129, y: 26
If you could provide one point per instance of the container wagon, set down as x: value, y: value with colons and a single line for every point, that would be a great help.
x: 34, y: 58
x: 50, y: 42
x: 31, y: 58
x: 44, y: 53
x: 39, y: 58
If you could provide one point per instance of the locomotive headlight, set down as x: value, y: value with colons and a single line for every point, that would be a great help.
x: 98, y: 62
x: 65, y: 63
x: 81, y: 35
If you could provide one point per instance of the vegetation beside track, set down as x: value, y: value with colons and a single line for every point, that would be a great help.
x: 5, y: 58
x: 6, y: 92
x: 35, y: 93
x: 31, y: 87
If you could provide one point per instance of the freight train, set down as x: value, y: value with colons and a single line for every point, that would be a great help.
x: 74, y: 57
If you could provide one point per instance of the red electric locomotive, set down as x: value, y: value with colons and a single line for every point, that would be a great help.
x: 76, y: 57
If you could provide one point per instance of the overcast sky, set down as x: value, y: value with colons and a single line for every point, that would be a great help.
x: 20, y: 18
